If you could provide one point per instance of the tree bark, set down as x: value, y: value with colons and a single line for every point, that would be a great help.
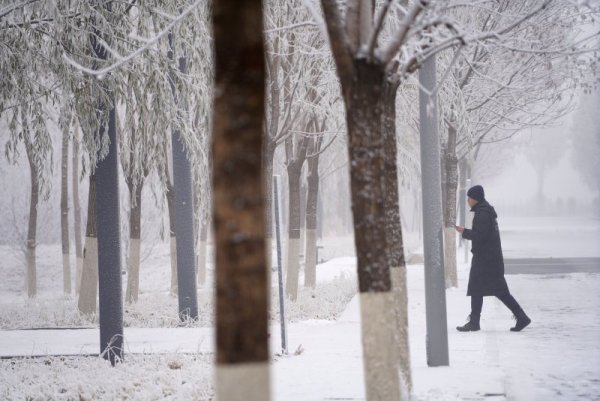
x: 363, y: 97
x: 76, y: 211
x: 170, y: 195
x: 268, y: 155
x: 293, y: 251
x: 34, y: 196
x: 312, y: 196
x: 239, y: 210
x: 450, y: 164
x: 133, y: 260
x: 202, y: 238
x: 393, y: 228
x: 89, y: 275
x: 64, y: 211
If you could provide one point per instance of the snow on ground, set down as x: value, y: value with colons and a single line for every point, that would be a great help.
x: 544, y: 236
x: 556, y: 358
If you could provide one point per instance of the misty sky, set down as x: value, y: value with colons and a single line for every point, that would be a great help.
x: 519, y: 179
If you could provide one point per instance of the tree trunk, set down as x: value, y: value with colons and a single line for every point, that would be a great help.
x: 293, y: 251
x: 89, y: 274
x: 133, y: 260
x: 172, y: 239
x: 64, y: 211
x: 202, y: 238
x: 395, y: 247
x: 76, y: 211
x: 451, y: 185
x: 310, y: 264
x: 33, y: 212
x: 363, y: 100
x: 268, y: 155
x: 239, y: 210
x: 302, y: 190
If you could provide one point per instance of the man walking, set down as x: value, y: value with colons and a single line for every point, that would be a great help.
x: 486, y: 277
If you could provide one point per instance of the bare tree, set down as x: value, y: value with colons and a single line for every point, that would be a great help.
x: 363, y: 64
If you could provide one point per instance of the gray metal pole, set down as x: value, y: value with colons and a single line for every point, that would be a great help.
x: 109, y: 248
x: 462, y: 193
x: 467, y: 221
x: 184, y: 211
x: 283, y: 322
x: 184, y: 230
x: 435, y: 287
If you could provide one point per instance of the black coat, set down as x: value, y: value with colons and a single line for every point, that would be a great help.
x: 487, y: 267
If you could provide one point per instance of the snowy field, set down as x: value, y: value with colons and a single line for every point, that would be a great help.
x: 556, y: 358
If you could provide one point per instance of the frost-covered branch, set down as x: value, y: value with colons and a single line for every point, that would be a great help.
x: 121, y: 60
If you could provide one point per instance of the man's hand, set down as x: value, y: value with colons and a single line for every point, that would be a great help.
x: 459, y: 229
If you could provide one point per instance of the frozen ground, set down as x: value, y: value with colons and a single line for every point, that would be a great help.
x: 556, y: 358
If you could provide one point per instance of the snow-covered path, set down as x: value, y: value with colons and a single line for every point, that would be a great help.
x: 556, y: 358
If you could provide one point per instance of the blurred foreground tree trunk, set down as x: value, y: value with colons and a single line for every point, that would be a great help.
x: 239, y: 214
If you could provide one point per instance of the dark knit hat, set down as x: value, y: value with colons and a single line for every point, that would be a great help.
x: 476, y: 193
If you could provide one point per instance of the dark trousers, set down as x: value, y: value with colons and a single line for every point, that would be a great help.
x: 507, y: 299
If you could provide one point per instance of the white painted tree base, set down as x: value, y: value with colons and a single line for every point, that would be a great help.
x: 174, y: 286
x: 89, y: 278
x: 201, y: 263
x: 66, y: 273
x: 78, y: 272
x: 133, y: 271
x: 398, y: 276
x: 379, y: 341
x: 293, y: 267
x: 31, y: 278
x: 450, y: 257
x: 310, y: 265
x: 243, y: 382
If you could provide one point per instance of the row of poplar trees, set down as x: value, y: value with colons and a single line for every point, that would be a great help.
x: 376, y: 47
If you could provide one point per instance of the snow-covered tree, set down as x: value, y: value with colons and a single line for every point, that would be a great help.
x: 364, y: 61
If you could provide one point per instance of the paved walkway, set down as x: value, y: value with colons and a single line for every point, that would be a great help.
x: 551, y: 265
x: 556, y: 358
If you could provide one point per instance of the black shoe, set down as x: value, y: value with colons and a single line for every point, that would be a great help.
x: 472, y: 325
x: 522, y: 322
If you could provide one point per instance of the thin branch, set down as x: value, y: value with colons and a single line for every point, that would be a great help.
x: 292, y: 26
x: 394, y: 46
x: 338, y: 40
x: 103, y: 71
x: 378, y: 26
